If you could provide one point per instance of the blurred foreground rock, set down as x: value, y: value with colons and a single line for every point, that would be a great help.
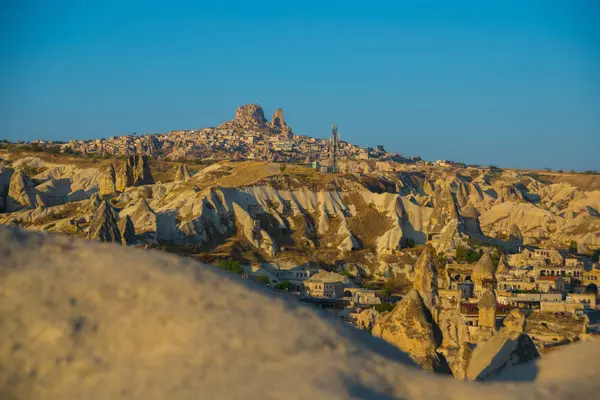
x: 90, y: 320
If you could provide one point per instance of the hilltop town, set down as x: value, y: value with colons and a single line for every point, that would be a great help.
x: 249, y: 135
x: 468, y: 270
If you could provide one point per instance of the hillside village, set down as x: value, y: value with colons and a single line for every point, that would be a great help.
x: 468, y: 270
x: 249, y: 136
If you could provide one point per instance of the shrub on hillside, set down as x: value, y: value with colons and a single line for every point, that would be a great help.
x: 466, y: 255
x: 231, y: 266
x: 284, y: 286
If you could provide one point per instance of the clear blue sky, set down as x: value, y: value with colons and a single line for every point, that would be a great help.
x: 511, y: 83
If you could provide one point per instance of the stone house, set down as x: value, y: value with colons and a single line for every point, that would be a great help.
x: 326, y: 284
x: 529, y: 301
x: 517, y: 284
x: 591, y: 281
x: 548, y: 284
x: 316, y: 288
x: 574, y: 303
x: 361, y: 296
x: 466, y: 288
x: 572, y: 274
x: 296, y: 277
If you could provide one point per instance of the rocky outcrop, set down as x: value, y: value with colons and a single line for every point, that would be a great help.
x: 108, y: 181
x: 552, y: 327
x: 258, y: 237
x: 503, y: 265
x: 484, y: 270
x: 445, y: 209
x: 515, y: 320
x: 127, y: 230
x: 364, y: 319
x: 355, y: 270
x: 5, y: 175
x: 142, y: 216
x: 460, y: 364
x: 470, y: 220
x: 410, y: 327
x: 450, y: 238
x: 349, y: 241
x: 278, y: 123
x: 141, y: 173
x: 455, y: 331
x: 21, y: 193
x: 104, y: 225
x: 135, y: 171
x: 249, y: 116
x: 182, y: 173
x: 124, y: 177
x: 425, y: 281
x: 39, y: 201
x: 90, y: 206
x: 515, y: 234
x: 504, y: 350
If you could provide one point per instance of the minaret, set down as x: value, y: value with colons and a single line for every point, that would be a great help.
x: 334, y: 145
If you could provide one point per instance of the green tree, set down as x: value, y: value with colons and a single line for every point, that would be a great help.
x: 596, y: 255
x: 52, y: 149
x: 466, y: 255
x: 231, y: 266
x: 283, y: 286
x: 440, y: 260
x: 496, y: 254
x: 35, y: 147
x: 384, y: 307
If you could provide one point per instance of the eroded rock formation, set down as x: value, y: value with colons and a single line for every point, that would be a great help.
x: 127, y: 230
x: 278, y: 123
x: 248, y: 116
x: 411, y: 327
x: 103, y: 226
x: 505, y: 349
x: 21, y: 193
x: 135, y: 171
x: 182, y: 173
x: 108, y: 181
x: 426, y: 279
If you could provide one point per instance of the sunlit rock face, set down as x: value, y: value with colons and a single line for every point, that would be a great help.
x: 410, y: 327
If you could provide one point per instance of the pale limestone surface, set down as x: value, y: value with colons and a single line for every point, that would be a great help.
x: 92, y: 320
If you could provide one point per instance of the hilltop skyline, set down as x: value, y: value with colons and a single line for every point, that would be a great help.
x: 514, y: 85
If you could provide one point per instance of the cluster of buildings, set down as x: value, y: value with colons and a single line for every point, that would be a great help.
x: 534, y: 279
x: 317, y: 285
x: 214, y: 142
x: 248, y: 136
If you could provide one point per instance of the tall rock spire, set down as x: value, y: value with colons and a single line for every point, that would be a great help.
x: 104, y: 225
x: 425, y: 281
